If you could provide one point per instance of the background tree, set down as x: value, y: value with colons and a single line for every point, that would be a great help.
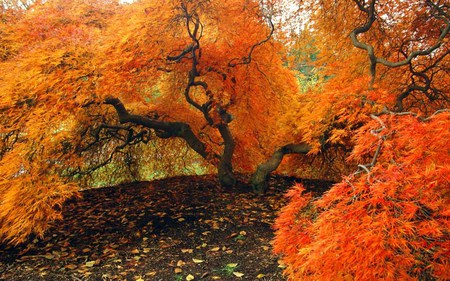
x: 389, y: 220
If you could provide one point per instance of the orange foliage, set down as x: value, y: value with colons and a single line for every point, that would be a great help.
x: 389, y: 224
x: 389, y: 220
x: 61, y: 59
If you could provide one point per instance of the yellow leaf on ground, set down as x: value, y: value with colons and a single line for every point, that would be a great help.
x: 238, y: 274
x: 190, y: 277
x: 197, y: 260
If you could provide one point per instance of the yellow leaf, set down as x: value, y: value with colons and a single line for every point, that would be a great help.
x: 232, y: 265
x: 190, y: 277
x: 90, y: 263
x: 197, y: 260
x: 238, y: 274
x: 260, y: 276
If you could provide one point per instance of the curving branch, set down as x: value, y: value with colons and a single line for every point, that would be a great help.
x: 260, y: 177
x: 248, y: 59
x: 370, y: 10
x: 162, y: 128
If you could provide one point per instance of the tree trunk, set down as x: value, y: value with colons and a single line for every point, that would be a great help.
x: 225, y: 167
x: 260, y: 177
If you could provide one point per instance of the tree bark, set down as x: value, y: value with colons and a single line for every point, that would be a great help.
x: 225, y: 167
x: 260, y: 177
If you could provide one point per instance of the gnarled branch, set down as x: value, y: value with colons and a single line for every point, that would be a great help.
x: 173, y: 129
x: 259, y: 178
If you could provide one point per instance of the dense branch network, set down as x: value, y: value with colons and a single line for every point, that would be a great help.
x: 370, y: 9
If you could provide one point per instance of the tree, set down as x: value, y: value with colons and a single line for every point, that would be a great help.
x: 89, y: 83
x: 389, y: 219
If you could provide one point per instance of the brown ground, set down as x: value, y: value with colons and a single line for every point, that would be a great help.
x: 168, y: 230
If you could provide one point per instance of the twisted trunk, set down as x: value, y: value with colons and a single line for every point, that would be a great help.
x: 260, y: 177
x: 225, y: 167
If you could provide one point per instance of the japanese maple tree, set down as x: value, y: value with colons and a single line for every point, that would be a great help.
x: 87, y: 84
x: 386, y: 64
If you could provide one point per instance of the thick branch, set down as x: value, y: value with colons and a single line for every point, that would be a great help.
x: 173, y: 129
x: 259, y: 178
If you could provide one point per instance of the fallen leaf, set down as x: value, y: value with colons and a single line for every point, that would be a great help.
x: 260, y: 276
x: 49, y: 256
x: 178, y: 270
x: 197, y: 260
x: 232, y: 265
x: 190, y: 277
x: 71, y: 266
x: 190, y: 251
x: 215, y: 249
x: 180, y: 263
x: 90, y: 263
x: 238, y: 274
x: 281, y: 264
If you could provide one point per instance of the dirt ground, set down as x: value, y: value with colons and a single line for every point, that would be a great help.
x: 183, y: 228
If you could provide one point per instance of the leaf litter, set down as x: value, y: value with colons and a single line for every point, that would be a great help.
x: 182, y: 228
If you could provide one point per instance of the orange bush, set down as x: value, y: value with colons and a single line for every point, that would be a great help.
x: 391, y: 222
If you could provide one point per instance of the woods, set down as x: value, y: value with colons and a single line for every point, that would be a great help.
x: 99, y: 92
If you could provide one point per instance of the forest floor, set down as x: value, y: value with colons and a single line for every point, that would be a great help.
x: 183, y: 228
